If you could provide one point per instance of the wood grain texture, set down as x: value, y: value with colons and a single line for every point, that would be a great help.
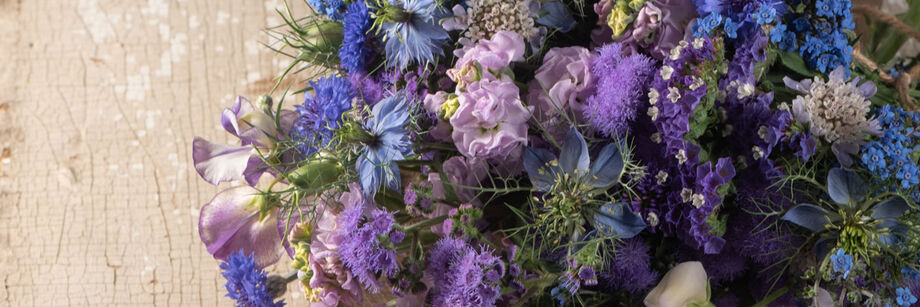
x: 100, y: 101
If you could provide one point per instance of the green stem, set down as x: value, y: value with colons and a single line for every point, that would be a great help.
x: 425, y: 223
x: 772, y: 297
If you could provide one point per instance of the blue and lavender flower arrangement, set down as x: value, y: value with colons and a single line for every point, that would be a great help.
x: 571, y: 152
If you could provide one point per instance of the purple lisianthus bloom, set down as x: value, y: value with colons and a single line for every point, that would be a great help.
x: 247, y: 282
x: 621, y: 80
x: 562, y: 84
x: 231, y: 221
x: 411, y: 31
x: 462, y: 275
x: 389, y: 143
x: 491, y: 121
x: 217, y: 163
x: 360, y: 248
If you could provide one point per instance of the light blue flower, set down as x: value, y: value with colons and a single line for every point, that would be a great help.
x: 546, y: 171
x: 765, y: 14
x: 842, y: 262
x: 411, y: 31
x: 389, y: 142
x: 904, y: 297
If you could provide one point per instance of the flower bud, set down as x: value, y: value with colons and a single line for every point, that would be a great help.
x: 684, y: 284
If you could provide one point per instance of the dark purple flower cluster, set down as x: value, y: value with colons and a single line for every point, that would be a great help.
x: 367, y: 247
x: 630, y: 269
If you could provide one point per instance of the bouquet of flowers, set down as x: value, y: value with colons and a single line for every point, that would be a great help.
x: 574, y: 152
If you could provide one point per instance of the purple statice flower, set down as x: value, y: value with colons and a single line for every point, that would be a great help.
x: 355, y: 49
x: 389, y: 143
x: 411, y: 31
x: 463, y: 275
x: 620, y: 80
x: 321, y: 113
x: 361, y: 248
x: 629, y: 269
x: 247, y: 282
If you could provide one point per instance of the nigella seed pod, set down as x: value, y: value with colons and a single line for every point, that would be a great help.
x: 315, y: 174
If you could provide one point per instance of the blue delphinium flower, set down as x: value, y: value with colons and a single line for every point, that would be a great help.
x: 842, y: 262
x: 331, y: 8
x: 411, y: 31
x: 354, y: 42
x: 904, y: 297
x: 388, y: 142
x: 321, y: 113
x: 247, y: 283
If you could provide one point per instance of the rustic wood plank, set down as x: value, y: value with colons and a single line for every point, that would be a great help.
x: 101, y: 99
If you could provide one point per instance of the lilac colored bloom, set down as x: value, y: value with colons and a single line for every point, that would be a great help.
x: 491, y: 121
x: 462, y: 275
x: 247, y: 282
x: 647, y: 22
x: 462, y: 171
x: 414, y: 34
x: 621, y: 81
x: 562, y: 84
x: 491, y: 55
x: 231, y: 222
x: 217, y: 163
x: 672, y: 16
x: 361, y: 250
x: 338, y: 284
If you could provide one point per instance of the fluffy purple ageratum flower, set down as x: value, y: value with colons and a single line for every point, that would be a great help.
x: 620, y: 79
x: 361, y: 250
x: 630, y: 270
x: 462, y: 275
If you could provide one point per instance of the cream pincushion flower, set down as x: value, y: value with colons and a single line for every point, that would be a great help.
x: 836, y: 110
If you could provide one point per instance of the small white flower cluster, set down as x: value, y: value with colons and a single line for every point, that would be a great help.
x: 837, y: 111
x: 487, y: 17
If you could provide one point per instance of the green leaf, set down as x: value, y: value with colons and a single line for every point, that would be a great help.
x: 795, y: 63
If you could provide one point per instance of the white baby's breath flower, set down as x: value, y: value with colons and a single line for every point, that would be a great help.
x: 673, y: 94
x: 745, y: 90
x: 666, y: 72
x: 681, y: 156
x: 675, y: 53
x: 661, y: 177
x: 697, y: 200
x: 757, y: 153
x: 653, y: 112
x: 653, y: 96
x: 698, y: 43
x: 686, y: 195
x: 656, y: 138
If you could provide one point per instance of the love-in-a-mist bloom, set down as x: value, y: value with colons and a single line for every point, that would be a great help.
x: 411, y: 31
x: 836, y: 110
x: 388, y: 142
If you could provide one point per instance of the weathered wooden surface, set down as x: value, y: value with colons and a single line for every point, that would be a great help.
x: 99, y: 102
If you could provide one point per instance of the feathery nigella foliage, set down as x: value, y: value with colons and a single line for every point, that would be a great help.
x: 493, y: 153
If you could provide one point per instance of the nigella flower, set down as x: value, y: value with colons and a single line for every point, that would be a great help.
x: 321, y: 113
x: 368, y: 245
x: 411, y: 31
x: 836, y: 110
x: 387, y: 142
x: 547, y: 172
x: 247, y: 282
x: 462, y: 275
x: 354, y: 48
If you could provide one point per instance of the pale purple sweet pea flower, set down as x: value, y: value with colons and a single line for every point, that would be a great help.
x: 217, y: 163
x: 491, y: 121
x: 231, y: 221
x: 338, y: 284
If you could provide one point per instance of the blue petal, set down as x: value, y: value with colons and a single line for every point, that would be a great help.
x: 809, y: 216
x: 555, y: 14
x: 618, y: 220
x: 845, y: 186
x: 540, y: 168
x: 895, y: 234
x: 892, y: 208
x: 608, y: 166
x: 574, y: 153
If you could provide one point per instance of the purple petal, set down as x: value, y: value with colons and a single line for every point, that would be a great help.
x: 230, y: 117
x: 230, y: 222
x: 218, y: 163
